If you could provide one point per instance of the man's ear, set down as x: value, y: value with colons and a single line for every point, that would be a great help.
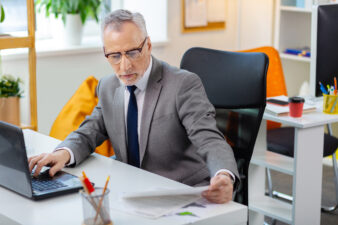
x: 150, y: 46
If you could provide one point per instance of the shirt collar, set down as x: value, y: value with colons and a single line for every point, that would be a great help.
x: 142, y: 83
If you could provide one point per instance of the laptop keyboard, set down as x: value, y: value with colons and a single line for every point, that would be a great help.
x: 44, y: 182
x: 46, y: 185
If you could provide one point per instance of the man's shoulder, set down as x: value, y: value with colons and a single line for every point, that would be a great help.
x: 109, y: 78
x: 173, y: 72
x: 108, y: 82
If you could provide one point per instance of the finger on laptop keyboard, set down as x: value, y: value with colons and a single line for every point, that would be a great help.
x: 56, y: 168
x: 45, y: 160
x: 33, y: 160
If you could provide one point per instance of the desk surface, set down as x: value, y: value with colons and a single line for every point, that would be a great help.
x: 306, y: 168
x: 68, y: 209
x: 310, y: 119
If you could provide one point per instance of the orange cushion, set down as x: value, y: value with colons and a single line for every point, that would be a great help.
x: 81, y: 104
x: 275, y: 82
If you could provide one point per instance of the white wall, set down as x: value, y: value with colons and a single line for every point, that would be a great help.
x: 180, y: 42
x: 255, y: 23
x: 58, y: 76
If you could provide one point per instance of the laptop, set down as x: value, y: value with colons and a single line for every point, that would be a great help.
x: 14, y: 171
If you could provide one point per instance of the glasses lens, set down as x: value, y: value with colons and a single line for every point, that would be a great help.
x: 133, y: 54
x: 115, y: 58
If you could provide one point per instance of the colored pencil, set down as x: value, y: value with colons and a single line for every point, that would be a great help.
x: 101, y: 200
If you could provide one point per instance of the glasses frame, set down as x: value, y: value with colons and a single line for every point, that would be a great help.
x: 140, y: 48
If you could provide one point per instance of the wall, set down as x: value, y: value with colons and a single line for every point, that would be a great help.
x: 255, y: 23
x: 179, y: 42
x: 59, y: 75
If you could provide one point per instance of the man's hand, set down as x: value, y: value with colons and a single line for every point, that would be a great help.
x: 56, y: 160
x: 220, y: 189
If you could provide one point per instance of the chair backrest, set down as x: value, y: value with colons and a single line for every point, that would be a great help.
x: 275, y: 81
x: 235, y: 84
x: 81, y: 104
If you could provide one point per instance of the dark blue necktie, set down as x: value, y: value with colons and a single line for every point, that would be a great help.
x: 133, y: 146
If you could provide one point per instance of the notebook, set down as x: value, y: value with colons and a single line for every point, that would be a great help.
x: 277, y: 110
x: 14, y: 171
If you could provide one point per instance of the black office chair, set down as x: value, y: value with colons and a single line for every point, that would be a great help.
x: 236, y: 85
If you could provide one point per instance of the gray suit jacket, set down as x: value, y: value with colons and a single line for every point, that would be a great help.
x: 178, y: 135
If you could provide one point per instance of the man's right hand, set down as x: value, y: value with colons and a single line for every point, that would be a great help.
x: 56, y: 160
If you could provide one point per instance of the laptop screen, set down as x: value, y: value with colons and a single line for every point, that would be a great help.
x: 14, y: 173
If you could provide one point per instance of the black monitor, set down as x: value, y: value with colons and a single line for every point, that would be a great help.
x: 324, y: 47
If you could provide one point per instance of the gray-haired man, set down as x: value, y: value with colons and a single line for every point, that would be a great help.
x: 156, y: 116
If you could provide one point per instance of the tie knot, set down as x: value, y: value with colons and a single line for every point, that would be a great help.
x: 131, y: 89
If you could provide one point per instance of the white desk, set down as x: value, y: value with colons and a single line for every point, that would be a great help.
x: 68, y: 209
x: 306, y: 168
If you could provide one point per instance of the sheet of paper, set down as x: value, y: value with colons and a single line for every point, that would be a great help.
x: 195, y: 13
x: 152, y: 207
x: 158, y: 201
x: 166, y: 192
x: 196, y: 211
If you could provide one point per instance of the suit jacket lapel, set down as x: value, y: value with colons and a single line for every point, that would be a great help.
x: 150, y: 100
x: 119, y: 122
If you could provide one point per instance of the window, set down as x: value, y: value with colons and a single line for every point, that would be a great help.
x: 15, y: 16
x: 47, y: 28
x: 156, y: 20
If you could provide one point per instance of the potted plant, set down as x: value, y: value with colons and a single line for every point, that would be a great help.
x: 10, y: 94
x: 74, y: 14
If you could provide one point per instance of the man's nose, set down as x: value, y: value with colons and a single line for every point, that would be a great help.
x: 125, y: 64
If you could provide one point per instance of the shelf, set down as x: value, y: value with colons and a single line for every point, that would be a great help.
x: 11, y: 42
x: 274, y: 161
x: 295, y: 58
x: 16, y: 42
x: 295, y: 9
x: 272, y: 207
x: 25, y: 126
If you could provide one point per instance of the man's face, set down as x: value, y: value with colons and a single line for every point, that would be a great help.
x: 120, y: 47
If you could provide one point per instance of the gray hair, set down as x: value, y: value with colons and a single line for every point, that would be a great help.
x: 118, y: 17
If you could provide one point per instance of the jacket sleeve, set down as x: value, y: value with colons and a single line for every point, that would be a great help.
x: 198, y: 117
x: 91, y: 133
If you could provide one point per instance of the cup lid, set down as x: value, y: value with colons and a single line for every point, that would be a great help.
x: 296, y: 99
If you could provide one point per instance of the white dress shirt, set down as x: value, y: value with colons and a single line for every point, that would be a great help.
x: 139, y: 94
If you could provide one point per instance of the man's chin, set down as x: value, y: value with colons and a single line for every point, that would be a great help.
x: 129, y: 81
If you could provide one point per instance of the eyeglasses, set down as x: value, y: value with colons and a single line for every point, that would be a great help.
x: 132, y: 54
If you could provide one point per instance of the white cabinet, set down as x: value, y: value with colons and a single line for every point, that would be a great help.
x: 305, y: 168
x: 293, y: 30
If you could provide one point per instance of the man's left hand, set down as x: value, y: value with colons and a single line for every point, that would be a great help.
x: 220, y: 189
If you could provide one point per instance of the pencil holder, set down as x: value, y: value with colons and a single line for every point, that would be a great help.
x: 96, y: 207
x: 330, y: 104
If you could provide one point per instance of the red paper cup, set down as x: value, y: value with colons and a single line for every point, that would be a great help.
x: 296, y: 106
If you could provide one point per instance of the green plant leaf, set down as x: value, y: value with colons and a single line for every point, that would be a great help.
x: 86, y: 8
x: 9, y: 86
x: 2, y: 18
x: 83, y: 16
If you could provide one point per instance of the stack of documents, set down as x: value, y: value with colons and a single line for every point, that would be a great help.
x: 277, y: 110
x: 158, y: 202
